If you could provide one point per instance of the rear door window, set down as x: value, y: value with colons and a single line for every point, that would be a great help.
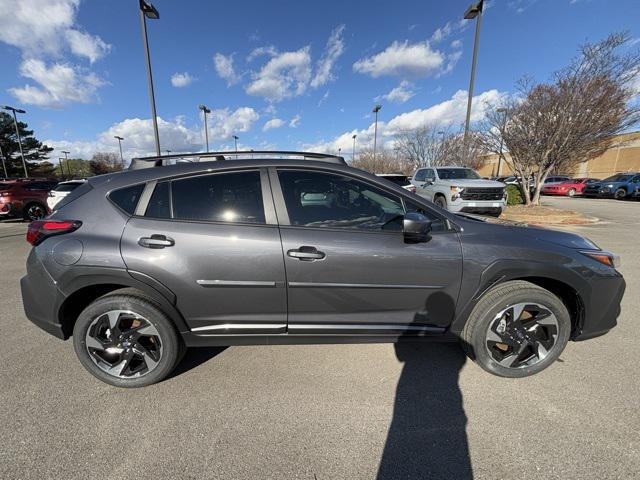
x: 225, y: 197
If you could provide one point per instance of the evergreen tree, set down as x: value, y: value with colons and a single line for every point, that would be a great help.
x: 35, y: 152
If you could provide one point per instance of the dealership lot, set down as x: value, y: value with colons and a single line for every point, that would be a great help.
x: 337, y: 411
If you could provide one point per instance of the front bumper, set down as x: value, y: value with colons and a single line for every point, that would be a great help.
x: 41, y: 297
x: 476, y: 206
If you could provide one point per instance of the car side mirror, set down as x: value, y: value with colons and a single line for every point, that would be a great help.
x: 416, y: 228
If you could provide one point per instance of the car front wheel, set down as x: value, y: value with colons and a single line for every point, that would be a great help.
x: 517, y: 329
x: 441, y: 201
x: 620, y: 194
x: 125, y: 340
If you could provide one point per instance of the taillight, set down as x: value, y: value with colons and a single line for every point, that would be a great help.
x: 42, y: 229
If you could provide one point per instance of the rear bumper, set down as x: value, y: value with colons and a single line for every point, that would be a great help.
x: 41, y: 298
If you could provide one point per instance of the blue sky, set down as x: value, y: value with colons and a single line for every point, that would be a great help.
x: 281, y: 74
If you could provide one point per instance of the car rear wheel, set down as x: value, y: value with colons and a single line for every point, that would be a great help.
x: 620, y: 194
x: 126, y: 341
x: 571, y: 192
x: 34, y: 211
x: 517, y: 329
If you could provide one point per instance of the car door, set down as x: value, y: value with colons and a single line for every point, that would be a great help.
x: 348, y: 267
x: 213, y: 240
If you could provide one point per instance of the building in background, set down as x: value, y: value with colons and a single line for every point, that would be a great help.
x: 624, y: 157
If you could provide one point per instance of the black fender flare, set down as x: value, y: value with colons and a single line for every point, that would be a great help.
x: 501, y: 271
x: 81, y: 277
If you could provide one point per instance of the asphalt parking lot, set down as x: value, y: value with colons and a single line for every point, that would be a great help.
x: 327, y: 412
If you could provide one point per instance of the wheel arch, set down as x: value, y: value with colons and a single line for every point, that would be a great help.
x: 562, y: 282
x: 87, y: 288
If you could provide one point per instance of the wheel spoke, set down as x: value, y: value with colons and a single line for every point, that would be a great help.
x: 509, y: 359
x: 540, y: 350
x: 94, y: 343
x: 113, y: 316
x: 494, y: 337
x: 516, y: 311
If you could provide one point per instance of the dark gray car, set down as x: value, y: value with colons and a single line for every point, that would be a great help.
x: 299, y: 248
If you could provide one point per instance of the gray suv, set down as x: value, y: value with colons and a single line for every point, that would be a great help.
x: 283, y: 248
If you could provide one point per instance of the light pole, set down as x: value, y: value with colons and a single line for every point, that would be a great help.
x: 66, y: 160
x: 15, y: 123
x: 235, y: 139
x: 147, y: 10
x: 353, y: 152
x: 504, y: 125
x: 120, y: 139
x: 474, y: 11
x: 168, y: 151
x: 205, y: 111
x: 4, y: 166
x: 376, y: 109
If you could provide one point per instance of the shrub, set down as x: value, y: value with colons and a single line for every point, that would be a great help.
x: 514, y: 196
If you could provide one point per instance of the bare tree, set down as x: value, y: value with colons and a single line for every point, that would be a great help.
x: 385, y: 161
x: 105, y: 162
x: 421, y: 147
x: 554, y: 127
x: 454, y: 151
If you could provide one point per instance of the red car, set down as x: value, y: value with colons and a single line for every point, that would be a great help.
x: 571, y: 187
x: 25, y: 198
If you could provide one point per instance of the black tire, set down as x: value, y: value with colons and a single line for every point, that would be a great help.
x: 34, y: 211
x: 165, y: 335
x: 440, y: 201
x: 484, y: 314
x: 620, y: 194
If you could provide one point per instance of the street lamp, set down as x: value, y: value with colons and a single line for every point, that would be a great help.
x: 504, y: 125
x: 66, y: 160
x: 205, y: 110
x: 15, y: 123
x: 168, y: 151
x: 120, y: 139
x: 353, y: 153
x: 339, y: 151
x: 235, y: 139
x: 474, y: 11
x: 147, y: 10
x: 376, y: 109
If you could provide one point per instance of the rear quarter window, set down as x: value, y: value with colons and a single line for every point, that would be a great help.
x: 125, y: 198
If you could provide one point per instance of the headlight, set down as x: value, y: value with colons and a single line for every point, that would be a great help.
x: 606, y: 258
x: 455, y: 193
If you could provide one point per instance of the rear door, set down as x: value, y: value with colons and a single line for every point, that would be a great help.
x: 213, y: 240
x: 348, y: 267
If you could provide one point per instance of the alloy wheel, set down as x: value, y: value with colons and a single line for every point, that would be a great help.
x: 522, y: 335
x: 620, y: 194
x: 572, y: 192
x: 36, y: 212
x: 123, y: 344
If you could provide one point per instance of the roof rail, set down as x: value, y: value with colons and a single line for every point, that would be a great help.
x: 160, y: 160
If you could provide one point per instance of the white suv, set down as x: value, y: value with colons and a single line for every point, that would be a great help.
x: 62, y: 190
x: 460, y: 189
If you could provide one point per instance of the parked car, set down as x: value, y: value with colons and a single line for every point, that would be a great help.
x: 399, y: 179
x: 460, y: 189
x: 618, y: 186
x: 138, y: 265
x: 568, y: 188
x: 25, y: 198
x: 62, y: 190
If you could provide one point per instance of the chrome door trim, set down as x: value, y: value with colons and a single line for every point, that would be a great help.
x: 242, y: 327
x: 359, y: 285
x: 235, y: 283
x: 327, y: 328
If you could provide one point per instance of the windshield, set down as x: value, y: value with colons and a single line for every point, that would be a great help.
x: 457, y: 174
x: 618, y: 178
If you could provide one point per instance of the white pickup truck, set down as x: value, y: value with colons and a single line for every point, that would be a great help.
x: 460, y: 189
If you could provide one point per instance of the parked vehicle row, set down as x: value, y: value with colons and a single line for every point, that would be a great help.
x: 618, y: 186
x: 25, y: 198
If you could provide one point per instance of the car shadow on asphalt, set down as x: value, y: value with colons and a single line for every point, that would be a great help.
x: 195, y: 357
x: 427, y: 436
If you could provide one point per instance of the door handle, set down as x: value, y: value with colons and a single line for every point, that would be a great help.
x: 156, y: 241
x: 306, y: 254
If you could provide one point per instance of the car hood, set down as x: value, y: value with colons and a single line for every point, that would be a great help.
x: 479, y: 183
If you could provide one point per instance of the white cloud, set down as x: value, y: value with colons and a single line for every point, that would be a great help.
x: 333, y: 51
x: 58, y: 84
x: 295, y: 121
x: 445, y: 114
x: 45, y: 27
x: 447, y: 30
x: 86, y: 45
x: 180, y: 80
x: 402, y: 59
x: 452, y: 60
x: 272, y: 124
x: 400, y: 94
x: 268, y: 50
x: 323, y: 98
x: 456, y: 44
x: 225, y: 69
x: 286, y: 75
x: 174, y: 135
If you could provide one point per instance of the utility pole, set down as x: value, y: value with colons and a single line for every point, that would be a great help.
x: 147, y: 10
x: 353, y: 152
x: 474, y: 11
x: 66, y: 160
x: 205, y: 110
x: 120, y: 139
x: 15, y: 123
x: 376, y: 109
x: 235, y: 139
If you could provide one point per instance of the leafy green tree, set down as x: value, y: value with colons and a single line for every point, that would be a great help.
x: 74, y: 168
x: 35, y: 152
